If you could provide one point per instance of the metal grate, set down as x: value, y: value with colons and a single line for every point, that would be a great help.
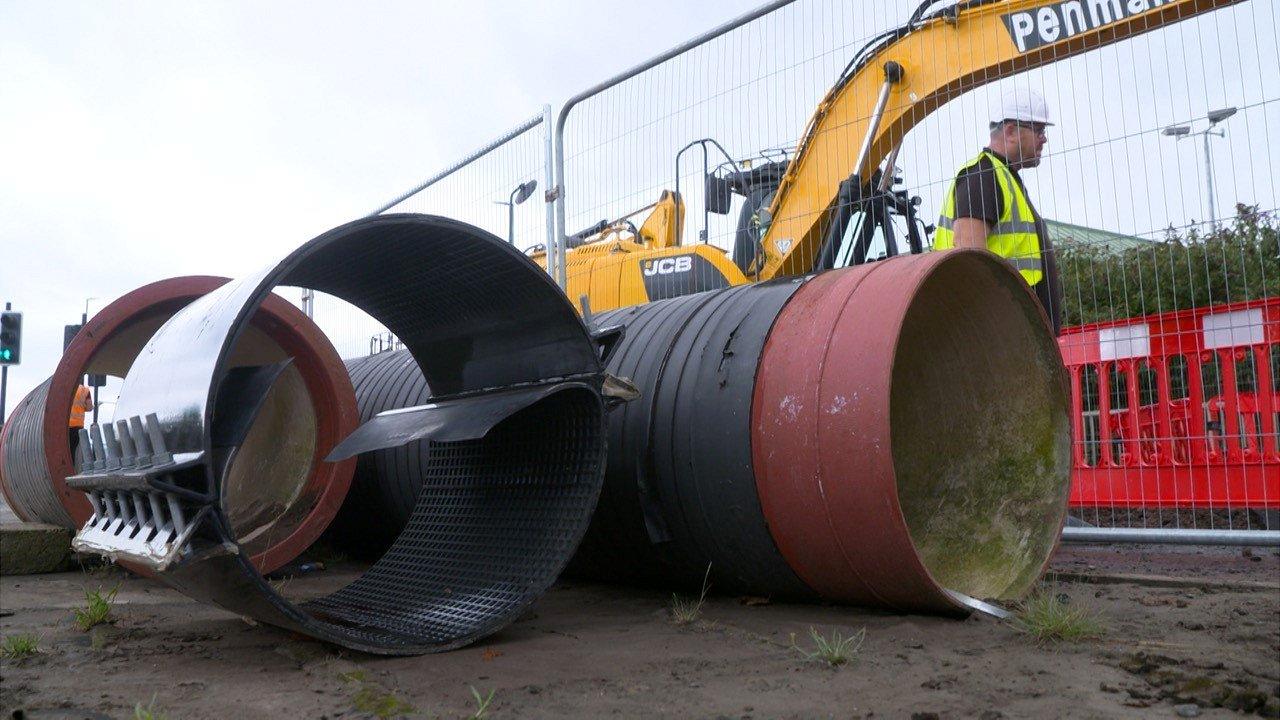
x: 490, y: 531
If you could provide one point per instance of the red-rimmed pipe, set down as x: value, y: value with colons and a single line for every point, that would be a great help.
x: 911, y: 435
x: 113, y: 338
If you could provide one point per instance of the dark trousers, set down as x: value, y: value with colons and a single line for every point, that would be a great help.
x: 73, y: 439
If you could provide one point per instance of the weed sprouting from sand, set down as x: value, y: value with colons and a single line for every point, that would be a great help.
x: 17, y: 647
x: 327, y: 553
x: 149, y: 712
x: 835, y: 650
x: 372, y: 699
x: 1050, y: 616
x: 279, y: 585
x: 97, y: 609
x: 685, y: 610
x: 375, y: 701
x: 482, y: 703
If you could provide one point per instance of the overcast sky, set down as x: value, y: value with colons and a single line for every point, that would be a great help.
x: 144, y: 141
x: 140, y: 141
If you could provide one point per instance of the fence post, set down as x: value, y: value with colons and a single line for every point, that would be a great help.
x: 1133, y: 443
x: 1077, y: 417
x: 1230, y: 400
x: 1164, y: 415
x: 552, y: 193
x: 1266, y: 400
x: 1197, y: 428
x: 1104, y: 416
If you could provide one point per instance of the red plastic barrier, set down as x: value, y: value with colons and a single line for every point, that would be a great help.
x: 1153, y: 428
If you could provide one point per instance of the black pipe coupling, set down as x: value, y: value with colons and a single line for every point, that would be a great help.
x: 514, y: 428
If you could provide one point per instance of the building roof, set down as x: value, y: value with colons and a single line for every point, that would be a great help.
x: 1064, y: 234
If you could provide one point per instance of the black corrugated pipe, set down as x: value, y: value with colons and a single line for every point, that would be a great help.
x: 679, y: 492
x: 893, y: 435
x: 386, y: 482
x: 684, y: 441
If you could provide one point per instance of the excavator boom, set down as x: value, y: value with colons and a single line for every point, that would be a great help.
x: 918, y: 68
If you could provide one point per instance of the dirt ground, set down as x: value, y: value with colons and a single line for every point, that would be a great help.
x: 1184, y: 626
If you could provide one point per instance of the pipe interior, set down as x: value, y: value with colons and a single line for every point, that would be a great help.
x: 491, y: 529
x: 497, y: 518
x: 980, y: 430
x: 264, y: 491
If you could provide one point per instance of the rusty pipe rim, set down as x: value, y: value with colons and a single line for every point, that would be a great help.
x: 321, y: 369
x: 910, y: 433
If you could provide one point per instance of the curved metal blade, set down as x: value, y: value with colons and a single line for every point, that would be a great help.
x: 464, y: 418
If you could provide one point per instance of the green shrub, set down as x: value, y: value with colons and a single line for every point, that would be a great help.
x: 1240, y: 261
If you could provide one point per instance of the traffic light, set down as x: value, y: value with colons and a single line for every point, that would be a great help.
x: 10, y: 338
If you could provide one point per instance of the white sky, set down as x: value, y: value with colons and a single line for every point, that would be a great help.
x: 139, y: 142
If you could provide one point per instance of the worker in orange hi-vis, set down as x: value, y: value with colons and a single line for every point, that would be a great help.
x: 82, y: 404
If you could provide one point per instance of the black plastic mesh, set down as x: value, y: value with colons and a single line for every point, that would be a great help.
x: 495, y: 522
x: 498, y: 517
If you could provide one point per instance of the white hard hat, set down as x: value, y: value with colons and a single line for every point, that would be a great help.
x: 1023, y: 104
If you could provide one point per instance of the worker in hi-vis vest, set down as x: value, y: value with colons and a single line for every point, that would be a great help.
x: 987, y: 205
x: 82, y: 404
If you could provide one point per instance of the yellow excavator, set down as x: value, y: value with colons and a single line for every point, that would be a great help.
x: 797, y: 212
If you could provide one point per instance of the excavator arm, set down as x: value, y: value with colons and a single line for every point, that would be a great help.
x: 907, y: 73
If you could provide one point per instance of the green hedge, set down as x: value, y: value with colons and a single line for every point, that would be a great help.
x: 1241, y: 261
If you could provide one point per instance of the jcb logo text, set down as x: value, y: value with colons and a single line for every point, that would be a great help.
x: 668, y: 265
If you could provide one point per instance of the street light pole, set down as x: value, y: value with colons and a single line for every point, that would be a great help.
x: 1182, y: 132
x: 1208, y: 179
x: 517, y: 196
x: 4, y: 377
x: 84, y: 320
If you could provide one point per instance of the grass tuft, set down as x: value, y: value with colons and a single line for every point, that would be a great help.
x: 379, y: 703
x: 834, y: 651
x: 1049, y: 616
x: 149, y: 712
x: 279, y: 585
x: 685, y: 610
x: 97, y: 609
x: 17, y: 647
x: 372, y: 699
x: 482, y: 703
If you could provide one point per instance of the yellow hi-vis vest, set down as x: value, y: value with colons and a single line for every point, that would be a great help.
x: 1014, y: 236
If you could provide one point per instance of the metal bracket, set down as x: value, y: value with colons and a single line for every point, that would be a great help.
x: 132, y: 519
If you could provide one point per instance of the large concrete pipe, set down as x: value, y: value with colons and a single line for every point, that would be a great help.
x: 891, y: 435
x: 515, y: 430
x: 311, y: 407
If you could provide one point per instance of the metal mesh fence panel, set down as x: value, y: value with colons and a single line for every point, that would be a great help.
x: 500, y: 188
x: 789, y: 144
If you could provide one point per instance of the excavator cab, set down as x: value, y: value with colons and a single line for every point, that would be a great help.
x: 868, y: 222
x: 871, y: 222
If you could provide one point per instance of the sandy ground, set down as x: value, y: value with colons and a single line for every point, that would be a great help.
x: 1183, y: 626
